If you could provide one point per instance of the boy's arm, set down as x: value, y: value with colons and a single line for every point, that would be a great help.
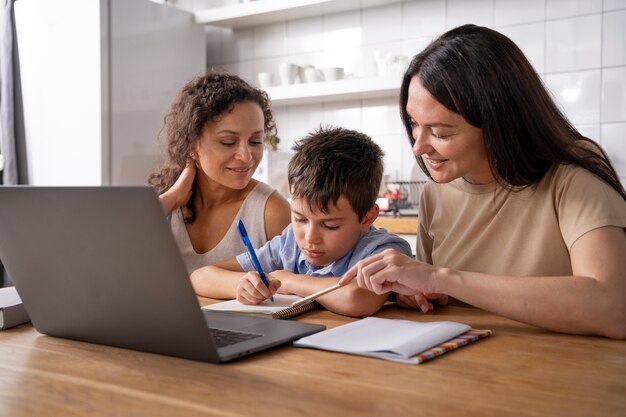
x: 349, y: 301
x: 219, y: 280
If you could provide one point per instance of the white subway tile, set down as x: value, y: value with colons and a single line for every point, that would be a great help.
x: 342, y: 30
x: 270, y: 40
x: 415, y: 46
x: 568, y: 8
x: 614, y: 4
x: 614, y: 38
x: 346, y: 114
x: 614, y: 144
x: 478, y: 12
x: 382, y: 24
x: 300, y: 121
x: 573, y: 44
x: 424, y: 18
x: 531, y: 40
x: 382, y: 116
x: 614, y: 94
x: 577, y: 94
x: 390, y: 144
x: 590, y: 131
x: 304, y: 35
x: 511, y: 12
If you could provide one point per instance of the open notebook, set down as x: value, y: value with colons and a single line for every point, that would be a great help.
x: 403, y: 341
x: 279, y: 309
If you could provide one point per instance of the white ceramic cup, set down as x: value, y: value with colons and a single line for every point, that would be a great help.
x: 312, y: 75
x: 333, y: 73
x: 288, y: 73
x: 265, y: 79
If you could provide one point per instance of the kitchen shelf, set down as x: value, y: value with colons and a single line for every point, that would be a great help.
x: 262, y: 12
x: 339, y: 90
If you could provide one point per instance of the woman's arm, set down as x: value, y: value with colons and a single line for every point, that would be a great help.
x: 179, y: 193
x: 349, y: 301
x: 591, y: 301
x: 277, y: 215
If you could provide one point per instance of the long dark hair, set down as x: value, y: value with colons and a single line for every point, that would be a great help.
x: 202, y: 100
x: 483, y: 76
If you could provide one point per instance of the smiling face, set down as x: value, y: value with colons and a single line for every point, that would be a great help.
x: 450, y: 146
x: 327, y: 237
x: 231, y: 147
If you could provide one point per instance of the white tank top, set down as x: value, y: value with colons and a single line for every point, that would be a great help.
x: 252, y: 212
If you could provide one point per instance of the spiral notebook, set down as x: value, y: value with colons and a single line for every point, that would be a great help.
x: 405, y: 341
x: 279, y: 309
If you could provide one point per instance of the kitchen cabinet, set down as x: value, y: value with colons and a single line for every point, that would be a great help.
x: 338, y: 90
x: 254, y: 13
x: 262, y: 12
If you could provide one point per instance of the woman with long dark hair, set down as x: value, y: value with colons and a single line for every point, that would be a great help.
x: 525, y: 217
x: 216, y: 130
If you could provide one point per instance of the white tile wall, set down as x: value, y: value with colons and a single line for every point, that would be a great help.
x: 344, y: 114
x: 304, y: 35
x: 382, y: 24
x: 614, y: 94
x: 614, y: 4
x: 531, y: 40
x: 460, y: 12
x: 509, y: 12
x: 577, y: 94
x: 573, y: 44
x: 613, y: 144
x: 577, y: 46
x: 614, y: 38
x: 569, y: 8
x: 424, y: 18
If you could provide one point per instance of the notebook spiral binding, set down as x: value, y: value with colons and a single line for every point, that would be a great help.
x: 290, y: 312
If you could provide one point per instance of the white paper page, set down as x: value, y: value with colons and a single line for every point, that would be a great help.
x: 281, y: 302
x: 388, y: 338
x: 9, y: 297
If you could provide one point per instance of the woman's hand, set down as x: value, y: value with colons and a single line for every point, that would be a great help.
x: 391, y: 270
x: 424, y: 302
x: 180, y: 192
x: 251, y: 290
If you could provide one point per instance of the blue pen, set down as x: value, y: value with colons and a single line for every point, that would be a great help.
x: 255, y: 260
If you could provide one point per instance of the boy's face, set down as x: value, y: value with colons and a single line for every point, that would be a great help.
x: 326, y: 237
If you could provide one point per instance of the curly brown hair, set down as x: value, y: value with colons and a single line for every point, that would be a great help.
x: 202, y: 100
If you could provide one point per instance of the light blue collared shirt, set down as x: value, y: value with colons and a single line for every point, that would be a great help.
x: 283, y: 253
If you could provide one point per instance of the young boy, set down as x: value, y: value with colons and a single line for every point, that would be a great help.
x: 334, y: 178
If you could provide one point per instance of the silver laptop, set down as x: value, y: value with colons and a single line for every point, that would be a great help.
x: 99, y: 264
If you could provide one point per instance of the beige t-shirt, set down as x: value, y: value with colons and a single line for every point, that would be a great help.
x: 252, y: 212
x: 485, y: 228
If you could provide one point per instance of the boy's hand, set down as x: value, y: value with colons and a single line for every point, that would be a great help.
x: 251, y: 290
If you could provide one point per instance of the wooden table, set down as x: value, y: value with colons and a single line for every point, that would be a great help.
x: 520, y: 370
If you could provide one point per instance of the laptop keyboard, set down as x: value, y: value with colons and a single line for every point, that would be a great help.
x: 223, y: 337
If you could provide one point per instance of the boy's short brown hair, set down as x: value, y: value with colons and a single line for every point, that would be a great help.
x: 333, y: 162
